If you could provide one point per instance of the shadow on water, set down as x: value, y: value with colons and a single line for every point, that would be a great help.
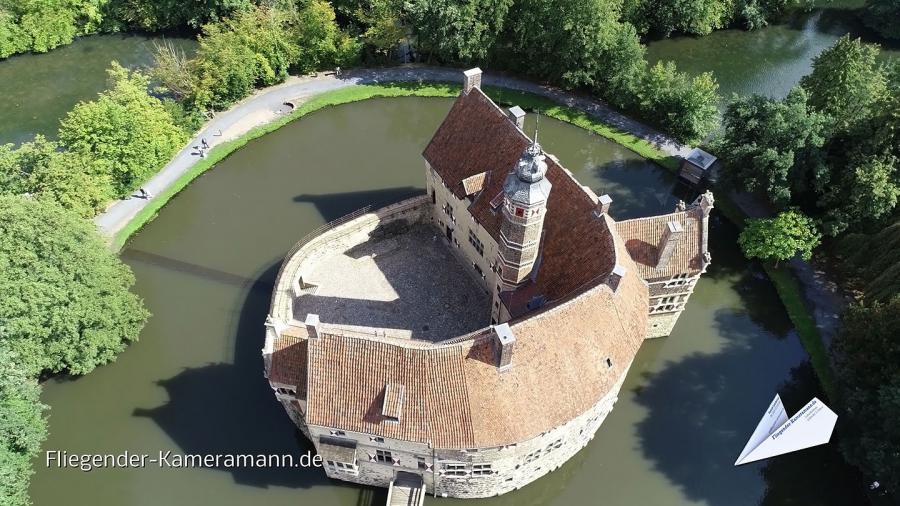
x: 334, y: 205
x: 748, y: 279
x: 702, y: 408
x: 229, y: 408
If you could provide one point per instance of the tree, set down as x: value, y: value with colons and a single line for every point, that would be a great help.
x: 73, y: 181
x: 457, y: 30
x: 780, y: 238
x: 257, y: 48
x: 41, y: 25
x: 683, y: 106
x: 321, y: 43
x: 39, y: 169
x: 162, y: 15
x: 66, y: 303
x: 882, y: 16
x: 764, y: 140
x: 867, y: 189
x: 22, y: 428
x: 564, y: 40
x: 846, y: 81
x: 867, y: 362
x: 127, y: 132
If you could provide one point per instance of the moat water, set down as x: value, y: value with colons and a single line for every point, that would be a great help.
x: 205, y: 268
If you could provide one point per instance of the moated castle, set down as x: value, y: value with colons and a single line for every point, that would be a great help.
x: 474, y: 338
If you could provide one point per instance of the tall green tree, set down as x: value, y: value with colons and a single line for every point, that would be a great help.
x: 684, y: 106
x: 846, y: 81
x: 22, y: 427
x: 257, y: 48
x: 66, y: 302
x: 457, y: 30
x: 781, y: 238
x: 764, y: 141
x: 567, y: 41
x: 867, y: 362
x: 127, y: 132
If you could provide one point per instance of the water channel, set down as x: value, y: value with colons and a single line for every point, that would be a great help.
x: 39, y: 89
x: 205, y: 268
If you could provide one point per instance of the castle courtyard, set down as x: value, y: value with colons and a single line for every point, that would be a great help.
x: 409, y: 280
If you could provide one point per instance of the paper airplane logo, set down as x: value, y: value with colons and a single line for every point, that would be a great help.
x: 777, y: 434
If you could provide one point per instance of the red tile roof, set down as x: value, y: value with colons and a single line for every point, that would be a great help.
x: 456, y: 397
x: 477, y: 136
x: 642, y: 236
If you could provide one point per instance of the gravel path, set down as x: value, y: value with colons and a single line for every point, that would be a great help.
x: 263, y: 106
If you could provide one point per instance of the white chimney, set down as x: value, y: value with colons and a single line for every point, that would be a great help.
x: 517, y: 115
x: 471, y: 79
x: 505, y: 341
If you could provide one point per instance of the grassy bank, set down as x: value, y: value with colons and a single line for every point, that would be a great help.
x: 362, y: 92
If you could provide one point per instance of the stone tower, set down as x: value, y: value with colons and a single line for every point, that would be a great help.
x: 525, y: 194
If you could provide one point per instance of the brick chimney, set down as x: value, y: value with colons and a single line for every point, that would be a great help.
x: 505, y: 341
x: 517, y: 115
x: 312, y: 325
x: 603, y: 203
x: 667, y: 243
x: 471, y: 79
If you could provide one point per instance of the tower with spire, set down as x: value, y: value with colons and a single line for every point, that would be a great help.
x: 525, y: 194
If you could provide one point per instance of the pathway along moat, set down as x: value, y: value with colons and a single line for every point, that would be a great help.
x: 205, y: 267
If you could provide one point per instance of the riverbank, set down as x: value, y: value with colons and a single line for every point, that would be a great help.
x: 260, y: 114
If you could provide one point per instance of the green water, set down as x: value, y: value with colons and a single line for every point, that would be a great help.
x: 769, y: 61
x: 37, y: 90
x: 205, y: 268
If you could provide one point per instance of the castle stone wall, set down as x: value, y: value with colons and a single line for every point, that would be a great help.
x: 469, y: 473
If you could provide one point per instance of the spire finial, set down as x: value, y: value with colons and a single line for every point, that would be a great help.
x: 537, y: 126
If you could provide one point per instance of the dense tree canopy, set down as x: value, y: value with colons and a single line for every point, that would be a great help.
x: 873, y: 260
x: 867, y: 360
x: 128, y: 133
x: 457, y: 30
x: 22, y: 427
x: 158, y: 15
x: 764, y: 140
x: 66, y: 303
x: 781, y: 238
x: 832, y: 147
x: 40, y: 169
x: 41, y: 25
x: 846, y: 81
x: 701, y: 17
x: 882, y: 15
x: 257, y: 47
